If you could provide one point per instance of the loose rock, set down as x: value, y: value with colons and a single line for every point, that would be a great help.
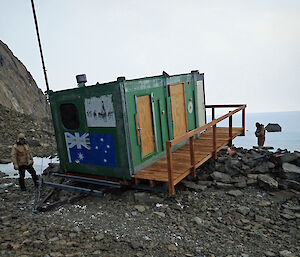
x: 267, y: 182
x: 235, y: 193
x: 291, y: 171
x: 222, y: 177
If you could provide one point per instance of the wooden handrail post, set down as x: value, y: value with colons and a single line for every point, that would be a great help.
x: 212, y: 113
x: 192, y: 155
x: 170, y: 168
x: 230, y: 131
x: 214, y: 143
x: 243, y: 122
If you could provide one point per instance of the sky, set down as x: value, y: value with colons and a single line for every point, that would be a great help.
x: 249, y: 50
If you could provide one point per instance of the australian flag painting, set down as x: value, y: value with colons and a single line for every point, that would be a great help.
x: 95, y: 149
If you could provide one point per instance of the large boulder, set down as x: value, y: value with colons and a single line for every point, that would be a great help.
x: 290, y: 171
x: 267, y: 182
x: 262, y: 168
x: 222, y: 177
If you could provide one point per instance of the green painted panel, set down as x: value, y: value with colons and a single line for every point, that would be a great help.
x: 77, y: 96
x: 141, y: 87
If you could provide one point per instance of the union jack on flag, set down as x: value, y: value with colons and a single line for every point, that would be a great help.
x: 95, y: 149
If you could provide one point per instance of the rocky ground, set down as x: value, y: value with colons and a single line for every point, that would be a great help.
x: 246, y: 203
x: 39, y: 133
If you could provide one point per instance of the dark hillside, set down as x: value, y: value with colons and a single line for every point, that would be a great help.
x: 18, y: 90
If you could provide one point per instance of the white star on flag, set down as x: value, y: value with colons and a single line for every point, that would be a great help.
x: 80, y: 156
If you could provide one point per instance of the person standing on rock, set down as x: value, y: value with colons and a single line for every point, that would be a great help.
x: 22, y: 160
x: 260, y: 133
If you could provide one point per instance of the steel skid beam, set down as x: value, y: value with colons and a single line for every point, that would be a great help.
x: 89, y: 180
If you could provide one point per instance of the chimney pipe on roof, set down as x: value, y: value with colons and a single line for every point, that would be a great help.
x: 81, y: 80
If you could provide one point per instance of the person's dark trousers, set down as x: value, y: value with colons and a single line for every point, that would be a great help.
x: 31, y: 170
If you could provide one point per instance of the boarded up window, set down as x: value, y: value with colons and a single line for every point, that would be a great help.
x: 146, y: 124
x: 178, y: 106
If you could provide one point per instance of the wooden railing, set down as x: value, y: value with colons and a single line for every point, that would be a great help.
x: 190, y: 135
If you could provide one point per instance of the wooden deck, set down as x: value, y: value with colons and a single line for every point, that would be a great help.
x: 203, y: 150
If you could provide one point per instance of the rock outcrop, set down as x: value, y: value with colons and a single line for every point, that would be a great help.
x: 39, y: 133
x: 271, y: 171
x: 18, y: 90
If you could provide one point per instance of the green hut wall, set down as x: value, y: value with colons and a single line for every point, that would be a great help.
x: 125, y: 96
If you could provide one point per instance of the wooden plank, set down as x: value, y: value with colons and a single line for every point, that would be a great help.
x: 165, y: 169
x: 223, y: 105
x: 178, y: 107
x: 145, y: 119
x: 179, y: 178
x: 154, y: 178
x: 178, y: 165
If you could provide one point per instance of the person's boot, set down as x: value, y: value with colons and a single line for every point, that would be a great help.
x: 35, y: 181
x: 22, y: 184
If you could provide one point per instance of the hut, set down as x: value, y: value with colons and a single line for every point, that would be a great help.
x: 118, y: 128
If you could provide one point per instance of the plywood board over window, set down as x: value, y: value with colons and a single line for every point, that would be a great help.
x: 178, y: 106
x: 145, y: 124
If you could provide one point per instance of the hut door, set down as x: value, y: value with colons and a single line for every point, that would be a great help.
x: 145, y: 124
x: 178, y: 106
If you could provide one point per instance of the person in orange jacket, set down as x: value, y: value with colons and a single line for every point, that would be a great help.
x: 23, y: 160
x: 260, y: 133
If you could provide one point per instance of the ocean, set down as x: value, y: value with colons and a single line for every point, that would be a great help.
x: 288, y: 138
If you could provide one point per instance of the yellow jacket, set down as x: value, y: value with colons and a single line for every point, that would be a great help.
x: 21, y: 155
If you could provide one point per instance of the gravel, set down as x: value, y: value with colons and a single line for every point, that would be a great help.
x: 230, y: 209
x: 120, y: 223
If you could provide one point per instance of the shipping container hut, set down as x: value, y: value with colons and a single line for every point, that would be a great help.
x: 116, y: 129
